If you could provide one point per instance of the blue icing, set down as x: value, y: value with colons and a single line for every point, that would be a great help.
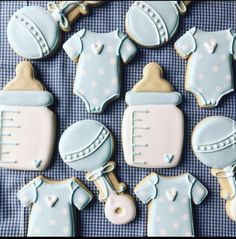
x: 26, y: 98
x: 153, y: 98
x: 33, y: 33
x: 170, y: 199
x: 213, y: 141
x: 98, y: 75
x: 210, y: 74
x: 86, y: 145
x: 52, y: 205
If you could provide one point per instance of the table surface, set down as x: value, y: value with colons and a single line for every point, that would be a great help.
x: 58, y: 72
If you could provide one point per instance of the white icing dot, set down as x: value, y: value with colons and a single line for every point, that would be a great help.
x: 200, y: 56
x: 228, y: 77
x: 215, y: 69
x: 94, y: 84
x: 114, y: 81
x: 223, y: 57
x: 110, y: 49
x: 129, y: 48
x: 37, y: 230
x: 158, y: 219
x: 38, y: 208
x: 107, y: 91
x: 64, y: 211
x: 200, y: 191
x: 113, y: 61
x: 101, y: 71
x: 65, y: 230
x: 185, y: 200
x: 200, y: 76
x: 52, y: 222
x: 94, y: 101
x: 176, y: 225
x: 184, y: 47
x: 81, y: 199
x: 172, y: 209
x: 163, y: 232
x: 87, y: 57
x: 185, y: 217
x: 83, y: 72
x: 218, y: 89
x: 161, y: 200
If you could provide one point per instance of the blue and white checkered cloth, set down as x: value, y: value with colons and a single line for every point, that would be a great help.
x: 58, y: 72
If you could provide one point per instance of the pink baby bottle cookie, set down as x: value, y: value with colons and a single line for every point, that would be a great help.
x: 27, y: 125
x: 153, y: 127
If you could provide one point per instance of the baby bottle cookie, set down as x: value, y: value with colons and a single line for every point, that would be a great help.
x: 153, y: 127
x: 153, y: 23
x: 35, y: 33
x: 213, y: 142
x: 27, y: 125
x: 52, y: 205
x: 88, y: 146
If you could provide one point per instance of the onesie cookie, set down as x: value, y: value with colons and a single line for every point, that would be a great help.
x: 153, y: 127
x: 35, y: 33
x: 88, y: 146
x: 209, y: 74
x: 153, y: 23
x: 27, y: 125
x: 213, y: 142
x: 98, y: 73
x: 52, y: 205
x: 169, y: 202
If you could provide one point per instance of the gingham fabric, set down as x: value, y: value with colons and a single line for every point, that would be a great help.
x: 58, y: 72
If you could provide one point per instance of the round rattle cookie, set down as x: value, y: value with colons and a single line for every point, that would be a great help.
x: 28, y: 126
x: 153, y: 125
x: 88, y: 146
x: 153, y: 23
x: 35, y: 33
x: 213, y: 142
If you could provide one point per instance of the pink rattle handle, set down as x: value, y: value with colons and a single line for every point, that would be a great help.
x: 120, y: 208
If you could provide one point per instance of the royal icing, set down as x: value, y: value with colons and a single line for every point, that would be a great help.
x: 91, y: 153
x: 210, y: 55
x: 52, y: 205
x: 27, y: 125
x: 170, y: 202
x: 103, y: 53
x: 153, y: 127
x: 160, y: 18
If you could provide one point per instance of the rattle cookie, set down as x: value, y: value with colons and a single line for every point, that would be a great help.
x: 88, y: 146
x: 153, y: 127
x: 27, y: 125
x: 209, y: 74
x: 52, y: 205
x: 98, y: 74
x: 169, y: 202
x: 35, y: 33
x: 213, y: 142
x: 153, y: 23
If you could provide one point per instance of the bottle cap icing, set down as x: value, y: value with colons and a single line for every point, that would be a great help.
x: 153, y: 127
x: 213, y: 141
x: 160, y: 18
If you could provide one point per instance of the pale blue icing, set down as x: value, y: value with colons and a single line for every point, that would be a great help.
x: 160, y: 18
x: 213, y: 141
x: 52, y: 204
x: 99, y: 69
x: 26, y: 98
x: 86, y: 145
x: 170, y: 203
x: 33, y: 33
x: 210, y: 74
x: 153, y: 98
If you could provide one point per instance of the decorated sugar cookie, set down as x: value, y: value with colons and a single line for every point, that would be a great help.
x: 27, y: 125
x: 98, y: 74
x: 153, y: 23
x: 169, y: 202
x: 209, y: 72
x: 88, y: 146
x: 35, y: 33
x: 213, y: 142
x: 153, y: 127
x: 52, y: 205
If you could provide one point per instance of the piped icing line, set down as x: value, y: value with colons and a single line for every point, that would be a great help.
x: 153, y: 98
x: 180, y: 6
x: 156, y: 19
x: 222, y: 144
x: 36, y: 33
x: 95, y: 145
x: 26, y: 98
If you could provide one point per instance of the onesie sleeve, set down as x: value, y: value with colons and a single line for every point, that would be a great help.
x: 127, y: 48
x: 74, y: 45
x: 186, y: 44
x: 81, y: 196
x: 146, y: 190
x: 198, y: 191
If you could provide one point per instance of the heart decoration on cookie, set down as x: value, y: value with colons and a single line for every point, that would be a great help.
x: 51, y: 200
x: 171, y: 194
x: 168, y: 158
x: 97, y: 47
x: 211, y: 46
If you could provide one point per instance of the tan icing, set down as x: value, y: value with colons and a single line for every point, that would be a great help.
x: 25, y: 79
x: 153, y: 80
